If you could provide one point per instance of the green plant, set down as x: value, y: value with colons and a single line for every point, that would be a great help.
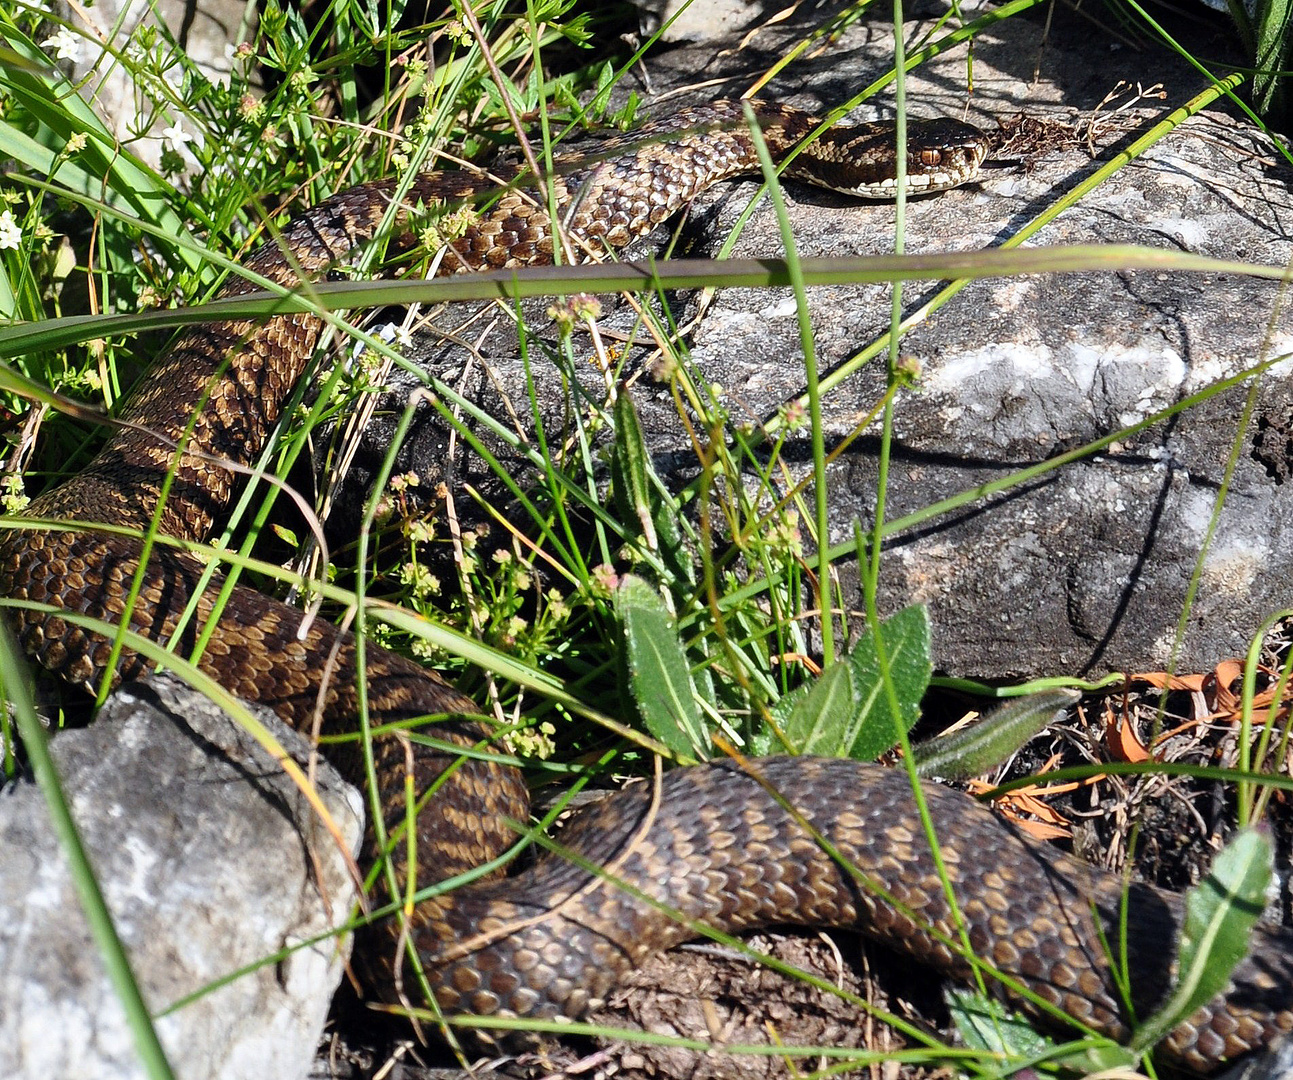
x: 710, y: 597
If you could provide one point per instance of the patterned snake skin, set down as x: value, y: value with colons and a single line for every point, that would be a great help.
x: 715, y: 846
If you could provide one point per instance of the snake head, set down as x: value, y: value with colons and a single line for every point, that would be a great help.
x: 862, y: 160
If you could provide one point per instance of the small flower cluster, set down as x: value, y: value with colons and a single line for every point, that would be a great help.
x: 44, y: 257
x: 500, y: 602
x: 63, y: 45
x: 502, y: 594
x: 395, y: 501
x: 794, y: 416
x: 419, y: 130
x: 10, y: 233
x: 13, y: 496
x: 444, y: 226
x: 535, y: 741
x: 579, y: 308
x: 781, y: 531
x: 604, y: 580
x: 421, y: 583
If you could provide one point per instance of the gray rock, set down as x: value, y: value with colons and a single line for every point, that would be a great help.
x: 698, y: 22
x: 1085, y: 568
x: 1275, y: 1064
x: 207, y: 855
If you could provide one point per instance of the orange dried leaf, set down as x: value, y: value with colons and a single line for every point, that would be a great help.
x: 1045, y: 832
x: 813, y: 667
x: 1031, y: 804
x: 1026, y: 808
x: 1163, y: 681
x: 1121, y: 740
x: 1223, y: 676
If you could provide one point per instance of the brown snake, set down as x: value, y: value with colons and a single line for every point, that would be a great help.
x: 716, y: 846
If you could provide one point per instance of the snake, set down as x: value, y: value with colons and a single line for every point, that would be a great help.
x: 730, y: 845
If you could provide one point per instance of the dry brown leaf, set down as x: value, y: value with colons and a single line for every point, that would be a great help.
x: 1223, y: 676
x: 1026, y: 808
x: 1161, y: 680
x: 1121, y: 740
x: 813, y: 667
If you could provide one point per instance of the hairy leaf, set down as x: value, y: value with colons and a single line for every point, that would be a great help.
x: 658, y: 673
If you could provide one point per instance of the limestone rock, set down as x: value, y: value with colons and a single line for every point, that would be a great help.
x: 199, y: 842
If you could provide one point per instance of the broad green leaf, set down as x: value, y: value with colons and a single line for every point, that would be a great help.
x: 102, y: 167
x: 629, y: 468
x: 974, y: 750
x: 906, y: 642
x: 1220, y: 912
x: 659, y: 676
x: 986, y: 1024
x: 1272, y: 54
x: 819, y: 719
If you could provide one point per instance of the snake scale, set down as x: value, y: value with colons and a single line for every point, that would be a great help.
x: 711, y: 844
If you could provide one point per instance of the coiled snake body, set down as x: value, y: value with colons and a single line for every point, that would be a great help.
x: 714, y: 846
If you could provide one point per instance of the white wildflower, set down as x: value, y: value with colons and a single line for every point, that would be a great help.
x: 64, y: 45
x: 10, y: 234
x: 176, y: 136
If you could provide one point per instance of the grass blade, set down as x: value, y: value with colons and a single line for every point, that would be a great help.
x: 13, y: 684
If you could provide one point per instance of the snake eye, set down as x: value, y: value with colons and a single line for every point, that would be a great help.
x: 931, y: 158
